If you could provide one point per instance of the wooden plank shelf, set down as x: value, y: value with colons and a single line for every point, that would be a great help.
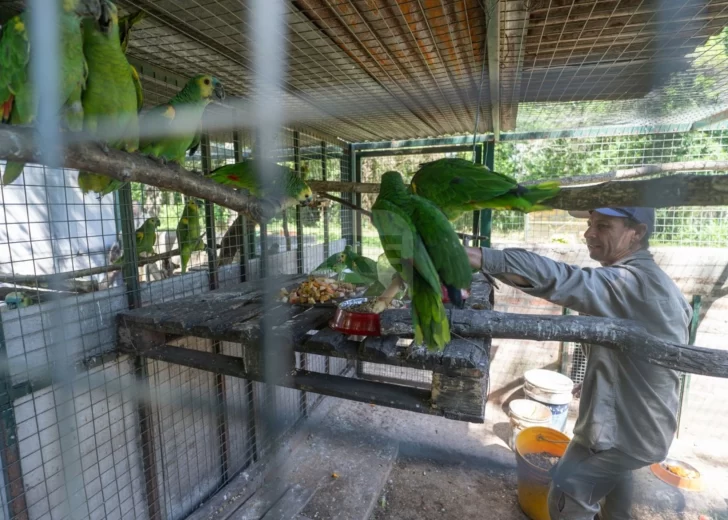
x: 459, y: 373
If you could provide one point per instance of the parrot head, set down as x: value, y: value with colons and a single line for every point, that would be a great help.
x: 83, y: 8
x: 392, y: 183
x: 209, y: 87
x: 155, y: 221
x: 108, y: 20
x: 305, y: 196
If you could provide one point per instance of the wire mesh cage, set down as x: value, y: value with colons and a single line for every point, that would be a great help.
x: 90, y: 430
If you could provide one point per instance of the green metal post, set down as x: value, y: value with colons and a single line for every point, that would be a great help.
x: 299, y: 224
x: 685, y: 378
x: 486, y: 215
x: 238, y: 153
x: 324, y: 176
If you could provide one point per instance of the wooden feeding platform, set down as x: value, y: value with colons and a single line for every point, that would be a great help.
x: 459, y: 373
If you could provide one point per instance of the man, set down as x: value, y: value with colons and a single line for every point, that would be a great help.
x: 627, y: 413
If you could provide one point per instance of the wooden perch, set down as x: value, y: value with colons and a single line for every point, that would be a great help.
x: 663, y: 192
x: 641, y: 171
x: 346, y: 187
x: 18, y: 144
x: 624, y: 335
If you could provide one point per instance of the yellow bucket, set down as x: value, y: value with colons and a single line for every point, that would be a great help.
x: 533, y: 482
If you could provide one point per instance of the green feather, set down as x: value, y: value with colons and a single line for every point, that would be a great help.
x: 422, y: 246
x: 457, y: 185
x: 110, y: 97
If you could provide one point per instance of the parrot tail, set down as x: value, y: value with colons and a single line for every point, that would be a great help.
x: 539, y: 193
x: 429, y: 319
x: 6, y: 108
x: 12, y: 172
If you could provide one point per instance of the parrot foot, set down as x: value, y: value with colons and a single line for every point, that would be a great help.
x: 379, y: 306
x: 158, y: 160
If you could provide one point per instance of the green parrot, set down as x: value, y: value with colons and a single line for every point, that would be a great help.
x: 18, y: 300
x: 458, y: 185
x: 172, y: 128
x: 423, y: 248
x: 111, y: 99
x: 17, y: 104
x: 146, y: 237
x: 189, y: 233
x: 243, y: 175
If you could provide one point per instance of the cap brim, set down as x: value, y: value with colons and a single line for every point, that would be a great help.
x: 579, y: 214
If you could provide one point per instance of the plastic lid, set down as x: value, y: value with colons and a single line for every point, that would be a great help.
x: 529, y: 410
x: 549, y: 380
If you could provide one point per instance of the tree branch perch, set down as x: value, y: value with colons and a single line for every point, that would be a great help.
x: 624, y: 335
x: 18, y: 144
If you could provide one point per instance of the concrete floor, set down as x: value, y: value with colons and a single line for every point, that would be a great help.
x: 354, y: 461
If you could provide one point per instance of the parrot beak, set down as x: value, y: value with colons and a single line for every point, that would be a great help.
x: 307, y: 201
x: 219, y: 91
x: 105, y: 15
x: 89, y: 8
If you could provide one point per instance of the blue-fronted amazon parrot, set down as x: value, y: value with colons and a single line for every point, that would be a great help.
x: 458, y: 185
x: 111, y: 99
x: 18, y: 300
x: 243, y: 175
x: 423, y: 248
x: 189, y: 233
x: 17, y: 103
x: 145, y: 237
x: 170, y: 129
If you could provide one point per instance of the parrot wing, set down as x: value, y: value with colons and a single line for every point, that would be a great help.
x: 14, y: 59
x: 137, y: 87
x: 239, y: 175
x: 331, y: 264
x: 443, y: 246
x: 157, y: 123
x: 402, y: 244
x: 195, y: 144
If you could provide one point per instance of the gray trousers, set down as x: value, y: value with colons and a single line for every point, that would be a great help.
x: 583, y: 477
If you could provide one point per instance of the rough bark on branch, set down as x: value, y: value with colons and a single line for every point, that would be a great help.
x: 18, y: 144
x: 624, y: 335
x: 663, y: 192
x: 641, y: 171
x: 347, y: 187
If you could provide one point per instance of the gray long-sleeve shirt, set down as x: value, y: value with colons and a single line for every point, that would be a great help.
x: 626, y: 403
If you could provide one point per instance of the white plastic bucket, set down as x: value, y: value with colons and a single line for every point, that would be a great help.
x: 553, y: 390
x: 524, y: 413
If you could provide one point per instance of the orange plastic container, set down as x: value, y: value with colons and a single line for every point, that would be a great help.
x: 533, y: 482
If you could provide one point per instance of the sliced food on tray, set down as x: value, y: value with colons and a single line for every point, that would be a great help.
x: 317, y: 290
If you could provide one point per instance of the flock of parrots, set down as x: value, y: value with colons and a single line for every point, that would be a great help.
x: 101, y: 95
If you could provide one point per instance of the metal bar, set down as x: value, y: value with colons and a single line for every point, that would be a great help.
x: 299, y: 224
x: 347, y: 215
x: 324, y: 176
x: 146, y: 429
x: 486, y: 215
x: 128, y: 242
x: 685, y: 378
x: 493, y: 37
x: 238, y: 154
x: 415, y: 151
x: 421, y: 143
x: 211, y: 239
x: 220, y: 390
x: 9, y: 447
x: 359, y: 239
x: 263, y: 249
x: 478, y: 159
x: 564, y: 353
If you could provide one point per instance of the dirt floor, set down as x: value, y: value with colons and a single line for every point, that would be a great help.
x: 421, y: 489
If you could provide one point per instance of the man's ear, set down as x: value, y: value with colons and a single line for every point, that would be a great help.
x: 640, y: 231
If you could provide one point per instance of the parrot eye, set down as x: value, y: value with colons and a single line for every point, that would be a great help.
x: 207, y: 81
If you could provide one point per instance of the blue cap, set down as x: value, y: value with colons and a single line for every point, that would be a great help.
x: 644, y: 216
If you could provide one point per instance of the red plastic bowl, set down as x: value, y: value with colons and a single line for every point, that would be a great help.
x: 355, y: 323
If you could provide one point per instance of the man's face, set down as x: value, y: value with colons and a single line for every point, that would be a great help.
x: 610, y: 239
